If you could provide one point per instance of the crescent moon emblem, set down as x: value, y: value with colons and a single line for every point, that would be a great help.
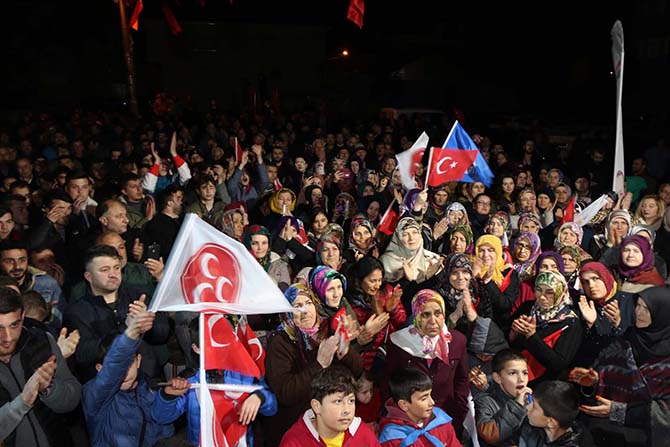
x: 211, y: 322
x: 255, y: 341
x: 438, y: 168
x: 219, y: 287
x: 199, y: 289
x: 204, y: 264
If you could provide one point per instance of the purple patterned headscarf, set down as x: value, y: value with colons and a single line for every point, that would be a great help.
x: 319, y: 279
x: 553, y: 255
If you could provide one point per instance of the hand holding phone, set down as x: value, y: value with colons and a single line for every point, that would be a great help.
x: 153, y: 251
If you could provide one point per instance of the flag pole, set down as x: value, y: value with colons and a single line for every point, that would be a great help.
x: 237, y: 162
x: 203, y: 377
x: 430, y: 163
x: 618, y: 58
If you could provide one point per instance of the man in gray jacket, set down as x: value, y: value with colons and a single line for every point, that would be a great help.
x: 36, y: 386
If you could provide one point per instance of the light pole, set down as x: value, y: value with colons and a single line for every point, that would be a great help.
x: 128, y: 54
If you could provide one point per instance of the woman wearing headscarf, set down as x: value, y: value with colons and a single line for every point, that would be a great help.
x: 290, y: 241
x: 570, y: 234
x: 460, y: 240
x: 636, y: 270
x: 344, y: 207
x: 546, y: 261
x: 282, y: 203
x: 329, y: 286
x: 438, y: 200
x: 311, y: 197
x: 429, y: 345
x: 605, y: 311
x: 525, y: 252
x: 499, y: 280
x: 405, y: 258
x: 258, y: 241
x: 572, y: 260
x: 369, y: 297
x: 649, y: 234
x: 362, y: 240
x: 296, y: 352
x: 632, y: 377
x: 499, y: 225
x: 547, y: 331
x: 232, y: 223
x: 617, y: 227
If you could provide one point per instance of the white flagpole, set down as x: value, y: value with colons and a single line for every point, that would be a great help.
x: 617, y: 58
x: 430, y: 165
x: 203, y: 379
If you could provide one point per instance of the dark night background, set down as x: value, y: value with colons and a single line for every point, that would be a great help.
x: 546, y: 60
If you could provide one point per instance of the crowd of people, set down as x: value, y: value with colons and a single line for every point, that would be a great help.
x: 431, y: 316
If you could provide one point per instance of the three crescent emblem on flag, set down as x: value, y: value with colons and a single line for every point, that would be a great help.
x: 211, y: 275
x: 438, y: 167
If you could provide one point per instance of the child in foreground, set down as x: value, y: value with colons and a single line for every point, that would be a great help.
x: 331, y: 421
x: 552, y: 418
x: 412, y: 418
x: 500, y: 412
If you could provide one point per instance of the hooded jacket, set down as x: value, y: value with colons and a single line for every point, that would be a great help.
x: 304, y: 434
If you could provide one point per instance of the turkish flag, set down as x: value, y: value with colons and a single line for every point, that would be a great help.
x: 409, y: 159
x: 238, y: 152
x: 251, y: 343
x: 535, y: 368
x: 356, y: 11
x: 389, y: 220
x: 448, y: 164
x: 225, y: 349
x: 227, y: 428
x: 569, y: 212
x: 134, y: 19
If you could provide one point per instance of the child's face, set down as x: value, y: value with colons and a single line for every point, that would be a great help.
x: 364, y: 391
x: 420, y: 407
x: 131, y: 375
x: 536, y: 416
x: 513, y: 378
x: 334, y: 413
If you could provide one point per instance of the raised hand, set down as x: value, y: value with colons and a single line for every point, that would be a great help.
x: 154, y: 153
x: 588, y: 310
x: 173, y: 145
x: 68, y: 343
x: 393, y: 300
x: 155, y: 268
x: 583, y: 376
x: 39, y: 381
x: 139, y: 324
x: 440, y: 228
x: 602, y: 410
x: 138, y: 249
x: 522, y: 395
x: 478, y: 378
x: 150, y: 207
x: 376, y: 323
x: 409, y: 270
x: 327, y: 350
x: 613, y: 313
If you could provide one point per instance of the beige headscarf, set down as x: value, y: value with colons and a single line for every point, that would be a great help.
x: 425, y: 263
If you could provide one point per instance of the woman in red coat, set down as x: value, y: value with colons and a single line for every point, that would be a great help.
x: 431, y: 347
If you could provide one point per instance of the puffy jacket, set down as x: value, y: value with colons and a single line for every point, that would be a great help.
x: 303, y: 434
x: 499, y: 418
x: 48, y: 287
x: 121, y: 418
x: 167, y: 409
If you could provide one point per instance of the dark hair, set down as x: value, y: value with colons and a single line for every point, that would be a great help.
x: 14, y: 198
x: 58, y: 195
x: 9, y: 244
x: 99, y: 251
x: 314, y: 212
x: 203, y: 180
x: 331, y: 380
x: 6, y: 281
x: 33, y: 302
x: 406, y: 381
x: 364, y: 266
x: 559, y: 400
x: 165, y: 195
x: 76, y: 175
x: 129, y: 177
x: 19, y: 184
x: 4, y: 210
x: 503, y: 356
x: 10, y: 301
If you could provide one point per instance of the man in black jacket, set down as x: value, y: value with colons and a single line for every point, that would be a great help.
x: 103, y: 313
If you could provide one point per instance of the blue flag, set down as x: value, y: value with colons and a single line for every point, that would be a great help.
x: 479, y: 172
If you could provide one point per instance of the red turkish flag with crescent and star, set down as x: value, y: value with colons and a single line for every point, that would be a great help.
x: 447, y: 165
x: 232, y: 350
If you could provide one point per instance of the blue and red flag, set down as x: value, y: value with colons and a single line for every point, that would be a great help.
x: 479, y: 171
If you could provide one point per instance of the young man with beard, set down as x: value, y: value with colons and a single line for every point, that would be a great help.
x: 14, y: 263
x: 164, y: 227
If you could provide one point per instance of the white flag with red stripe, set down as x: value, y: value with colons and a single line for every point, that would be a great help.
x: 208, y: 271
x: 409, y: 159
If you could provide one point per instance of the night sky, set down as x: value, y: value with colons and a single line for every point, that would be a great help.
x: 554, y: 56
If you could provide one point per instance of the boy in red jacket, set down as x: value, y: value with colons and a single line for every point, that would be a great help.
x: 331, y: 421
x: 412, y: 418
